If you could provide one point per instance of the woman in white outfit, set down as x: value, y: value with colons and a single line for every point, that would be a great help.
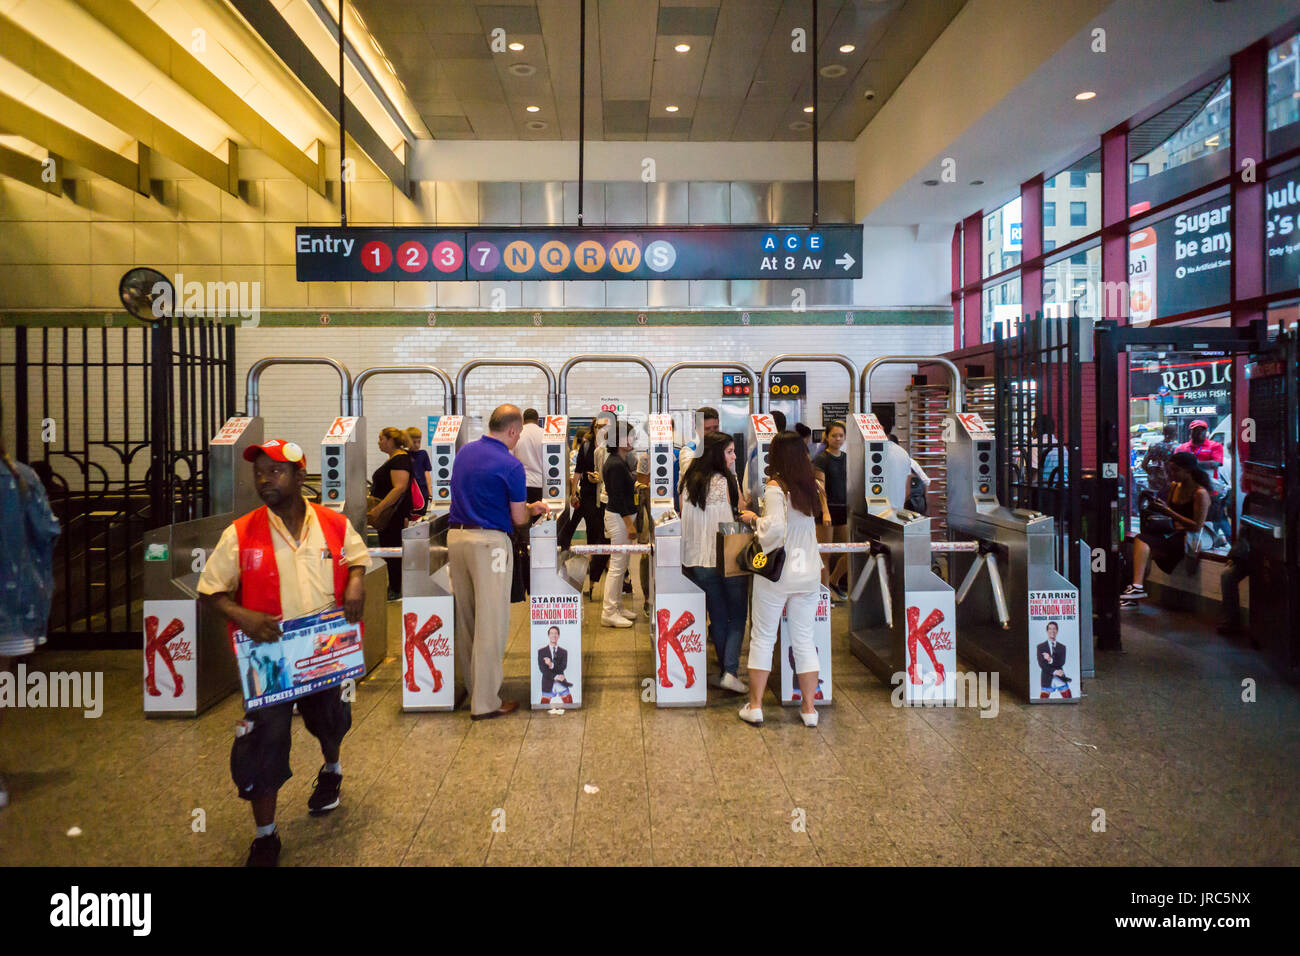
x: 789, y: 503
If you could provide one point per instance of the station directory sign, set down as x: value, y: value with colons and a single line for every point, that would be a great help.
x: 416, y: 254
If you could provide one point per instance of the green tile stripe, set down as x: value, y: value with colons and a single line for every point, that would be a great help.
x: 512, y: 318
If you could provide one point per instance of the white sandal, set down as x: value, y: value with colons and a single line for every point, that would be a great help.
x: 751, y: 715
x: 809, y: 720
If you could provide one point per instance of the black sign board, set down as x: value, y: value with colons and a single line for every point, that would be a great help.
x: 365, y: 254
x: 736, y: 385
x: 1282, y: 231
x: 834, y: 412
x: 787, y: 384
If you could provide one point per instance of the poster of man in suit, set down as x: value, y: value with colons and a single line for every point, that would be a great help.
x: 556, y: 641
x: 1054, y: 644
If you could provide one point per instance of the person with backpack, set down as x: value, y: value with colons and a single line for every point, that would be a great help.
x: 28, y: 530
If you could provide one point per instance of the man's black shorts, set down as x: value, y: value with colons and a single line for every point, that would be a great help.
x: 259, y: 760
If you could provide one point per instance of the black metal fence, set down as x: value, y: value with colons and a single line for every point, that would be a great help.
x: 115, y: 420
x: 1038, y: 386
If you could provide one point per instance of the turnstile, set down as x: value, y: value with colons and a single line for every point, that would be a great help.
x: 428, y: 610
x: 902, y: 620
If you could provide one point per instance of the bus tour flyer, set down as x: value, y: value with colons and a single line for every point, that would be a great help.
x: 314, y: 652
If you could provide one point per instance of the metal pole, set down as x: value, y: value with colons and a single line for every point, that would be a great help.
x: 343, y: 179
x: 815, y: 197
x: 20, y: 389
x: 448, y: 392
x: 582, y: 101
x: 563, y: 398
x: 463, y: 375
x: 252, y: 394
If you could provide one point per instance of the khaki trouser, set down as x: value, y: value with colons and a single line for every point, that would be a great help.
x: 482, y: 567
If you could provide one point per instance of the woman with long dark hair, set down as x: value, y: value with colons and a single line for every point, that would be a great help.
x: 391, y: 484
x: 1186, y: 504
x: 711, y: 496
x: 789, y: 503
x: 585, y: 506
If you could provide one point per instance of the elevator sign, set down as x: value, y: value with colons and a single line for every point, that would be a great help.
x: 334, y: 254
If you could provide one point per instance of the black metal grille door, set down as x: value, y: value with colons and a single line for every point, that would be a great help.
x: 116, y: 421
x: 1038, y: 405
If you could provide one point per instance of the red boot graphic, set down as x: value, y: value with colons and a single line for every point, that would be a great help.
x: 156, y: 643
x: 668, y: 636
x: 920, y: 634
x: 415, y: 640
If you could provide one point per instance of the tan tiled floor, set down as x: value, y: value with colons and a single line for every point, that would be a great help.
x: 1185, y: 771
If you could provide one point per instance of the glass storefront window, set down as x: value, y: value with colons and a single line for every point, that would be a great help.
x: 1182, y: 147
x: 1175, y: 389
x: 1072, y: 202
x: 1073, y: 285
x: 1002, y: 238
x: 1181, y: 263
x: 1282, y: 231
x: 1283, y: 104
x: 1002, y: 309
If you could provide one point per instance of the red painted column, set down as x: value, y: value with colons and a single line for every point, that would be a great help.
x: 957, y: 322
x: 973, y: 255
x: 1249, y: 93
x: 1031, y: 245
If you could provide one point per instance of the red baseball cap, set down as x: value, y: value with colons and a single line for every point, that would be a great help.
x: 277, y: 450
x: 1200, y: 423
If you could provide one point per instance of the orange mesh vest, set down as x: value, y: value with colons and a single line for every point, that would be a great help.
x: 259, y: 578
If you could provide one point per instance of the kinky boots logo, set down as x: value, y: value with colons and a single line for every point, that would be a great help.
x: 171, y: 646
x: 76, y: 909
x: 674, y: 637
x: 419, y: 640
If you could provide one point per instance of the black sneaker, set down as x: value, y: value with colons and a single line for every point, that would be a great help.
x: 325, y: 794
x: 1134, y: 592
x: 264, y: 851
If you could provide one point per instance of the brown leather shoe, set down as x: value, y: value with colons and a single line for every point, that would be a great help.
x: 509, y: 707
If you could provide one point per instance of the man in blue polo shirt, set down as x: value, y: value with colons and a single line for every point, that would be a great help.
x: 488, y: 495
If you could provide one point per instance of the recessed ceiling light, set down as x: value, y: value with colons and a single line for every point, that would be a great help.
x: 807, y: 109
x: 800, y: 125
x: 536, y: 124
x: 1213, y: 141
x: 522, y: 69
x: 533, y: 109
x: 670, y: 109
x: 832, y: 70
x: 516, y: 46
x: 847, y: 48
x: 683, y: 48
x: 929, y: 182
x: 1085, y: 95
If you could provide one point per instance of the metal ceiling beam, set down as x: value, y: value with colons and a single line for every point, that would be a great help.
x: 134, y: 27
x: 51, y: 67
x: 21, y: 120
x: 23, y: 168
x: 276, y: 32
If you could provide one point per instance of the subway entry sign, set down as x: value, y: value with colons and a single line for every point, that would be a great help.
x: 366, y: 254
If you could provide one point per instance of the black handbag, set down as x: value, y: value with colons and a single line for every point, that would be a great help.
x: 766, y: 564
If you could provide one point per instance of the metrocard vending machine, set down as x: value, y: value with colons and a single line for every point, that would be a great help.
x: 678, y: 630
x: 428, y: 610
x: 554, y: 602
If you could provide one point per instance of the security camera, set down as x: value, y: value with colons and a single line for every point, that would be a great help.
x: 868, y: 95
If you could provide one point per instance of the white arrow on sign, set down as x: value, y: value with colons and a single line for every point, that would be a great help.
x: 846, y: 261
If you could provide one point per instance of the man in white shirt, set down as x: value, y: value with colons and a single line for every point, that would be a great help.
x: 529, y: 452
x: 898, y: 476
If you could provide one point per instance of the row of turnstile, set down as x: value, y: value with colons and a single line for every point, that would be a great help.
x: 1014, y: 612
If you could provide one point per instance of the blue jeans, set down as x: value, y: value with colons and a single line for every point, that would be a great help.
x: 725, y: 599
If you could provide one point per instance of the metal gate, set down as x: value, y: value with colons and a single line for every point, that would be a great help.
x: 115, y: 420
x: 1037, y: 407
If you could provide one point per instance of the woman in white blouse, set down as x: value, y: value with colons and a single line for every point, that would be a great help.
x: 789, y: 503
x: 710, y: 496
